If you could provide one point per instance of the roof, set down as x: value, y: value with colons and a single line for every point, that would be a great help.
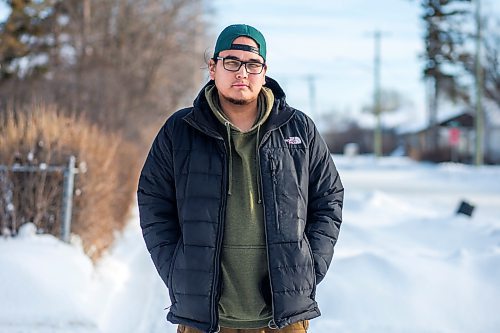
x: 461, y: 120
x: 458, y: 115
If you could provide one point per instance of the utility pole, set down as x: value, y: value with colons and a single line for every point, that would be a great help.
x: 479, y: 123
x: 377, y: 139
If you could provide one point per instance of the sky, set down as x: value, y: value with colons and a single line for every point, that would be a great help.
x: 3, y: 11
x: 404, y: 262
x: 332, y: 43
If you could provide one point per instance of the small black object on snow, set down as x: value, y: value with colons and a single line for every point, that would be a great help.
x: 465, y: 208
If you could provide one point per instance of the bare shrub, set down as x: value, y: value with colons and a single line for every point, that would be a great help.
x: 42, y: 134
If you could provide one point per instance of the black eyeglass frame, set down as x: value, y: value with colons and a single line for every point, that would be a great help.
x: 241, y: 64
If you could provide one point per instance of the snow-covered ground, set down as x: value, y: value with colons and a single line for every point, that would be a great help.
x: 404, y: 263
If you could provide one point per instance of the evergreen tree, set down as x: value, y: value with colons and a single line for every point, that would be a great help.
x: 25, y: 38
x: 445, y: 38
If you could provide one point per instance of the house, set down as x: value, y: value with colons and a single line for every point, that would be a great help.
x: 492, y: 132
x: 456, y: 136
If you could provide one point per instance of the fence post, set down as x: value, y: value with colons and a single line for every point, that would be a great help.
x: 67, y: 203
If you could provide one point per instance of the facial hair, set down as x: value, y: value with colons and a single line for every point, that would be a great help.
x: 238, y: 101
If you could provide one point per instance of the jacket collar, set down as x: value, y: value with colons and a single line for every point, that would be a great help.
x: 202, y: 118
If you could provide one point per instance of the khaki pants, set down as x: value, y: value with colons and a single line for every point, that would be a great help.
x: 299, y: 327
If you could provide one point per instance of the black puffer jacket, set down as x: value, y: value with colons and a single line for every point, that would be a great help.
x: 182, y: 196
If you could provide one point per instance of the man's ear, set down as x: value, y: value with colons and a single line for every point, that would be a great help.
x: 211, y: 68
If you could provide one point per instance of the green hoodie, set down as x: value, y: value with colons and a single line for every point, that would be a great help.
x: 244, y: 255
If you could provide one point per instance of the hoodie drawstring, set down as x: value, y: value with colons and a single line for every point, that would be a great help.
x: 227, y: 124
x: 259, y: 180
x: 228, y: 131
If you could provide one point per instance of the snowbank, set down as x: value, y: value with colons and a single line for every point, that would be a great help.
x: 404, y: 263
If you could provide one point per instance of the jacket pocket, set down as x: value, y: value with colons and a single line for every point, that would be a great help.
x: 171, y: 271
x: 313, y: 270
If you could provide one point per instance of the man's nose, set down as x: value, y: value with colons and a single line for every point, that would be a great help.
x: 242, y: 72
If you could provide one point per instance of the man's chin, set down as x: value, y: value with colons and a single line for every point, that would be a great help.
x: 239, y: 98
x: 236, y: 101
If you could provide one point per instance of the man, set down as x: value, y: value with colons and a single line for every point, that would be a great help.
x: 240, y: 202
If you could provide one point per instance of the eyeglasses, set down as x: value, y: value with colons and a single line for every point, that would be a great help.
x: 234, y: 65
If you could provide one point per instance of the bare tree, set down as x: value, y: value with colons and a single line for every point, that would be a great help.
x: 492, y: 65
x: 491, y: 62
x: 390, y: 100
x: 124, y: 63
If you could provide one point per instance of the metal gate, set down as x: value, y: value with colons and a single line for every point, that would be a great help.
x: 69, y: 171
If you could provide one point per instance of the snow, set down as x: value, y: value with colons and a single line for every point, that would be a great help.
x: 405, y: 262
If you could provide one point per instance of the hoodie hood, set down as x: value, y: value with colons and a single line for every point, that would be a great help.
x: 203, y: 118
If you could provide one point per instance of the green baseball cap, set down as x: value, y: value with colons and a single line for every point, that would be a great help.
x: 230, y: 33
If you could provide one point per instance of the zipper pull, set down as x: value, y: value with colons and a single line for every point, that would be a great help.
x: 271, y: 159
x: 273, y: 168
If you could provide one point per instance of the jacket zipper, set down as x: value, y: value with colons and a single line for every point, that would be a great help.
x: 267, y: 240
x: 215, y: 285
x: 214, y: 312
x: 273, y: 175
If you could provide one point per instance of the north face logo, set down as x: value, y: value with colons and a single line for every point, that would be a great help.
x: 293, y: 140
